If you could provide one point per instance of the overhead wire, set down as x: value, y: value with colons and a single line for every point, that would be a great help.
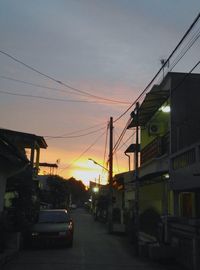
x: 66, y: 91
x: 85, y: 151
x: 58, y: 81
x: 121, y: 136
x: 105, y: 147
x: 54, y: 99
x: 72, y: 137
x: 128, y: 139
x: 76, y: 131
x: 41, y: 86
x: 186, y: 76
x: 173, y: 90
x: 115, y: 155
x: 185, y: 49
x: 164, y: 64
x: 118, y: 135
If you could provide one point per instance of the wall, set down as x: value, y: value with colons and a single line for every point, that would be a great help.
x: 151, y: 196
x: 162, y: 120
x: 185, y: 116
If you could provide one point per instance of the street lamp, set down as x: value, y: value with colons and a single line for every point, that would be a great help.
x: 98, y: 164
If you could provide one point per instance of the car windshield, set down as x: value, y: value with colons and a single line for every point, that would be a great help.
x: 53, y: 217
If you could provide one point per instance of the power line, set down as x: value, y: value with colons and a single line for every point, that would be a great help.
x: 173, y: 90
x: 126, y: 141
x: 58, y: 81
x: 71, y: 137
x: 54, y: 99
x: 121, y: 136
x: 155, y: 76
x: 53, y: 88
x: 186, y: 48
x: 116, y: 157
x: 39, y: 85
x: 85, y: 151
x: 76, y: 131
x: 185, y: 77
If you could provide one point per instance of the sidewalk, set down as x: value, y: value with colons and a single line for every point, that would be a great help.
x: 7, y: 256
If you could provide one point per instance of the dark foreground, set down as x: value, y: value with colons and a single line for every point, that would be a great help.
x: 93, y: 249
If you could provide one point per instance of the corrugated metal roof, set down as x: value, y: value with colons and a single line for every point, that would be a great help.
x: 150, y: 105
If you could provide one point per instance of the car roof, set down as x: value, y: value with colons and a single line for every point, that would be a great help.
x: 54, y: 210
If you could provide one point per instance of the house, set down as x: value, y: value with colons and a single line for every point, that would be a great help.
x: 184, y: 227
x: 124, y: 194
x: 169, y: 165
x: 11, y: 162
x: 19, y: 168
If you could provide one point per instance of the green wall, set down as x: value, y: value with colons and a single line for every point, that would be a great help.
x: 151, y: 197
x: 162, y: 120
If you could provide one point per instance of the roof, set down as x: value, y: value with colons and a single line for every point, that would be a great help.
x: 150, y: 105
x: 22, y: 139
x: 9, y: 154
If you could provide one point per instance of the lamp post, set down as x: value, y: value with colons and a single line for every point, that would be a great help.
x: 98, y: 164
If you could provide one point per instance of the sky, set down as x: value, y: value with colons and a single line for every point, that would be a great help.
x: 107, y: 48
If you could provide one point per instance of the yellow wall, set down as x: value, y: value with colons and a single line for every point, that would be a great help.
x: 151, y: 197
x: 160, y: 118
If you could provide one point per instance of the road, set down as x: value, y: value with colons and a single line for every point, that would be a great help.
x: 93, y: 249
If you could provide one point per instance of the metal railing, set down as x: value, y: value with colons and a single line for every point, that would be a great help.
x: 158, y: 147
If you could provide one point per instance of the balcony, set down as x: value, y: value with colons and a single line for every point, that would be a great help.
x: 158, y: 147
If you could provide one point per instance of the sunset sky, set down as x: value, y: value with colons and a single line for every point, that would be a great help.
x: 107, y: 48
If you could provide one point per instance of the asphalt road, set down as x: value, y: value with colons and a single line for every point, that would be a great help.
x: 93, y: 249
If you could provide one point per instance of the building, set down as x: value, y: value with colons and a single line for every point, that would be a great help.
x: 19, y: 168
x: 184, y: 227
x: 12, y: 161
x: 169, y: 198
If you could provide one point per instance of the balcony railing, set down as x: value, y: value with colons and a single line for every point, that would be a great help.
x: 158, y: 147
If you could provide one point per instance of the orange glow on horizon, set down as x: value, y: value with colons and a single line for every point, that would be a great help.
x: 82, y: 169
x: 85, y: 172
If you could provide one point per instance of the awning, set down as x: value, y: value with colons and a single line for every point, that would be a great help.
x: 132, y: 148
x: 150, y: 105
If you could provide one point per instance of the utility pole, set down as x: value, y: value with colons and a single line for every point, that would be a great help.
x: 110, y: 207
x: 137, y: 183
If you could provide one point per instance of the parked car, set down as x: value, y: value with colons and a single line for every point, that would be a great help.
x: 54, y: 226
